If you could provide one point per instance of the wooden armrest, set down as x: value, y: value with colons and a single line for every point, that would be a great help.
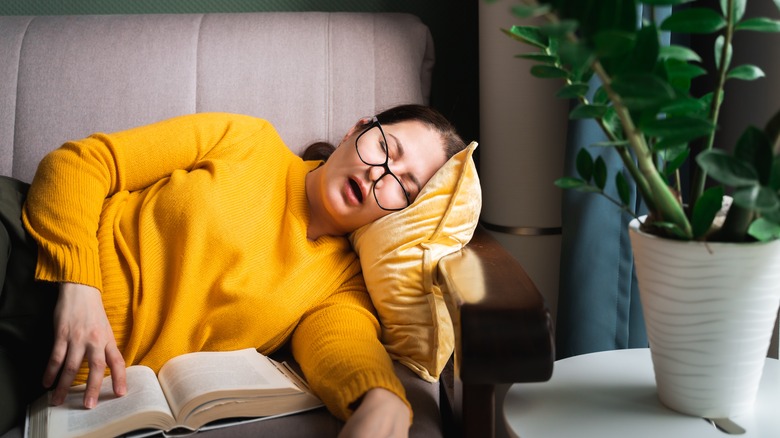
x: 503, y: 332
x: 503, y: 329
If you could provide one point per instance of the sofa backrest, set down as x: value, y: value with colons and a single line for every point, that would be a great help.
x: 312, y: 74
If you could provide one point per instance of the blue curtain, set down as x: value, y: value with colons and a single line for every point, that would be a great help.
x: 598, y: 302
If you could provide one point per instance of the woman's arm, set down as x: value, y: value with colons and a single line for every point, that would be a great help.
x: 63, y: 211
x: 72, y: 183
x: 337, y: 345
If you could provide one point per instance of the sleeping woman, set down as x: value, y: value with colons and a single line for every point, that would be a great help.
x: 205, y: 233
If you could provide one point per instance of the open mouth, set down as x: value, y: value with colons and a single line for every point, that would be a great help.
x: 356, y: 189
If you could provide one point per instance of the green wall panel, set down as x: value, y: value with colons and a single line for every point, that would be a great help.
x: 65, y: 7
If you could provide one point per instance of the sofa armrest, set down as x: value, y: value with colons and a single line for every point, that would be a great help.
x: 503, y: 330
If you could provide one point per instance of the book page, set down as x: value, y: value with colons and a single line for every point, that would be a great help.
x: 191, y: 376
x: 144, y: 405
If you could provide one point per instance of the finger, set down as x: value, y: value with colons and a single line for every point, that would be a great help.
x: 69, y: 369
x: 54, y: 365
x: 97, y: 370
x: 117, y: 364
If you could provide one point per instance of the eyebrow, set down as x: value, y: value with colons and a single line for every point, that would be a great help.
x: 400, y: 148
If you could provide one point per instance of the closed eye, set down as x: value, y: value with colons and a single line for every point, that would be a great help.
x: 383, y: 148
x: 397, y: 153
x: 410, y: 180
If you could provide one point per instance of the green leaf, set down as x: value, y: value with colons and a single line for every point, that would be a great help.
x: 680, y: 68
x: 753, y: 147
x: 645, y: 54
x: 623, y: 188
x: 528, y: 35
x: 675, y: 157
x: 573, y: 91
x: 539, y: 57
x: 774, y: 179
x: 642, y: 91
x: 668, y: 143
x: 772, y: 130
x: 694, y: 20
x: 727, y: 169
x: 682, y: 128
x: 576, y: 56
x: 613, y: 42
x: 588, y: 112
x: 569, y: 182
x: 600, y: 96
x: 764, y: 230
x: 600, y: 173
x: 756, y: 197
x: 611, y: 144
x: 738, y: 8
x: 682, y: 71
x: 719, y: 41
x: 704, y: 211
x: 597, y: 16
x: 528, y: 11
x: 760, y: 24
x: 672, y: 228
x: 746, y: 72
x: 685, y: 106
x: 773, y: 216
x: 552, y: 46
x: 678, y: 52
x: 664, y: 2
x: 588, y: 189
x: 612, y: 124
x: 560, y: 28
x: 584, y: 165
x: 707, y: 99
x: 548, y: 72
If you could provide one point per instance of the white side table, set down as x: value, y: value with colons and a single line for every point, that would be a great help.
x: 612, y: 394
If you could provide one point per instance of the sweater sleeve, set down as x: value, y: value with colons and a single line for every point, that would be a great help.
x: 337, y: 345
x: 71, y: 184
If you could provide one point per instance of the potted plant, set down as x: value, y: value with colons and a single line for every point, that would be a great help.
x: 707, y: 258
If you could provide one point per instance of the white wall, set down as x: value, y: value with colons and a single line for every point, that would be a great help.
x: 522, y: 143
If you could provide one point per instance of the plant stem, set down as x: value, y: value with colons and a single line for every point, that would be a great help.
x: 665, y: 203
x: 619, y: 204
x: 700, y: 175
x: 628, y: 162
x: 623, y: 153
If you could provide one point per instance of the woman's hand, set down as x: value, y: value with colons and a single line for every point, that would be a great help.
x: 380, y: 414
x: 82, y: 332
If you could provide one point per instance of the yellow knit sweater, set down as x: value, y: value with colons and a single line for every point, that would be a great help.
x: 194, y: 229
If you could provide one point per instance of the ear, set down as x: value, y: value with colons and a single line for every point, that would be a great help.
x: 361, y: 124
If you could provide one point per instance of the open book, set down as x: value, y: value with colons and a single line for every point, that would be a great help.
x: 189, y: 392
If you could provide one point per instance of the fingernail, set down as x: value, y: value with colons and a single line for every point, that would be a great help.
x: 90, y: 403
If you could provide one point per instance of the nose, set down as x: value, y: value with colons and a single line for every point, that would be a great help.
x: 375, y: 172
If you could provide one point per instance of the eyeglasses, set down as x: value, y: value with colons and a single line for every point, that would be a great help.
x: 372, y: 149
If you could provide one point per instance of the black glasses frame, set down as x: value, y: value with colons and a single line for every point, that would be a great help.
x: 385, y: 166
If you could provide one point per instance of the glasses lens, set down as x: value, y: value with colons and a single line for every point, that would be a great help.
x: 371, y: 146
x: 389, y: 193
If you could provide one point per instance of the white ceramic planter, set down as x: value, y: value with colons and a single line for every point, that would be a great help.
x: 709, y: 311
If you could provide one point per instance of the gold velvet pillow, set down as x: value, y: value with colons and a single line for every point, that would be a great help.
x: 399, y: 254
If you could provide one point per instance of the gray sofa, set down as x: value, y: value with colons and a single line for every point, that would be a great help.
x: 311, y: 74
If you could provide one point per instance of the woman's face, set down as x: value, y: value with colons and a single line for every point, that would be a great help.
x: 415, y: 153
